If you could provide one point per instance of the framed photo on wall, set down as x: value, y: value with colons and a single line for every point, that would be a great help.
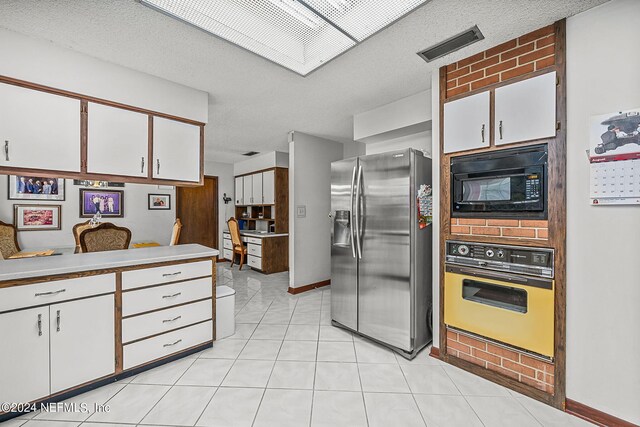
x: 159, y: 202
x: 110, y: 203
x: 37, y: 217
x: 28, y: 187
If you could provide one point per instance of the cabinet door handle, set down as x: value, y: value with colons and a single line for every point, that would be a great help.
x: 172, y: 296
x: 172, y: 344
x: 41, y: 294
x: 172, y: 320
x: 500, y: 129
x: 482, y: 132
x: 58, y: 321
x: 6, y: 150
x: 172, y: 274
x: 142, y: 165
x: 39, y: 325
x: 158, y: 168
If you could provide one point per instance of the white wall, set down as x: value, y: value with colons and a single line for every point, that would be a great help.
x: 43, y: 62
x: 421, y: 141
x: 310, y: 160
x: 258, y: 162
x: 603, y: 268
x: 224, y: 172
x: 145, y: 225
x: 353, y: 149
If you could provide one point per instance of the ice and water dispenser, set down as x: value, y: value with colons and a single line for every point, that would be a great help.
x: 342, y: 228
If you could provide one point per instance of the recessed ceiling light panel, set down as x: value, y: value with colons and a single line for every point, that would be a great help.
x: 300, y: 35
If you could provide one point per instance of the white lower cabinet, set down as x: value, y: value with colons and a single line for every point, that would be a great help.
x: 255, y: 262
x: 82, y: 341
x: 24, y: 360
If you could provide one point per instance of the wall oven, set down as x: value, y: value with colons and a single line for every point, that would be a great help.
x: 508, y: 183
x: 504, y: 293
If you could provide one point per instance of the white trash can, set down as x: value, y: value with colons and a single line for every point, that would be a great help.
x: 225, y: 312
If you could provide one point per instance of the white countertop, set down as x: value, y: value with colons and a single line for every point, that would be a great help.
x: 52, y: 265
x: 259, y: 235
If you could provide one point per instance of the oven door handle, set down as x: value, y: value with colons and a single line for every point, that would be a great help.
x: 511, y: 278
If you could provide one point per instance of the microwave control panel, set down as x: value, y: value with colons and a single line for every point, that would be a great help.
x: 516, y: 259
x: 533, y: 187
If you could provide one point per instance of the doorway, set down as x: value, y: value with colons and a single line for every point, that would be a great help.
x: 197, y: 208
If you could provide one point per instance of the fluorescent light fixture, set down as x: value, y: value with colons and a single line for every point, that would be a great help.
x: 300, y: 35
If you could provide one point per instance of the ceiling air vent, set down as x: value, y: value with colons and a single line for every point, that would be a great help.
x: 452, y: 44
x: 250, y: 153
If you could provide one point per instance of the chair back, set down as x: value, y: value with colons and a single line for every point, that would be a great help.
x: 175, y: 233
x: 234, y: 230
x: 105, y: 237
x: 8, y: 240
x: 77, y: 229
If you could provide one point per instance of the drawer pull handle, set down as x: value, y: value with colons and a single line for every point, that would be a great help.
x: 172, y: 320
x: 172, y: 296
x: 41, y: 294
x: 172, y: 344
x: 6, y: 150
x: 172, y: 274
x: 58, y: 321
x: 39, y: 325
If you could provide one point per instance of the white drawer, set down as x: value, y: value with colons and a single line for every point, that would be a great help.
x: 254, y: 240
x: 157, y: 322
x: 52, y: 292
x: 227, y: 244
x: 166, y: 344
x: 142, y: 300
x: 255, y: 262
x: 157, y: 275
x: 255, y: 250
x: 226, y: 235
x: 227, y: 254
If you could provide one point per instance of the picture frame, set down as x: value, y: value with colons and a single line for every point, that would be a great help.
x: 37, y: 217
x: 35, y: 187
x: 110, y: 203
x: 158, y: 202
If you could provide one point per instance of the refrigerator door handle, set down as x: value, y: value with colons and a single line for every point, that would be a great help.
x: 358, y: 213
x: 353, y: 182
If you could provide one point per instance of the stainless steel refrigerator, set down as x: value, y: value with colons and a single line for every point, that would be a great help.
x: 380, y: 256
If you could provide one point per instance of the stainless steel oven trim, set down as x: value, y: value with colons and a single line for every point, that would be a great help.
x: 510, y: 278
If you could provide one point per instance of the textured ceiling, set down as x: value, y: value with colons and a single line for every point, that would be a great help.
x: 253, y: 102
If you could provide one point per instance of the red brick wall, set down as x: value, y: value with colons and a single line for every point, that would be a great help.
x: 526, y: 54
x: 507, y: 228
x: 510, y: 363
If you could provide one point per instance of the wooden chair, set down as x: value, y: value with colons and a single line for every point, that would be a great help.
x: 8, y: 240
x: 77, y: 229
x: 175, y: 234
x: 236, y: 240
x: 105, y: 237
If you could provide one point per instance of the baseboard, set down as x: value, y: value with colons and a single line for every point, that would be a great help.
x: 305, y: 288
x: 435, y: 352
x: 595, y: 416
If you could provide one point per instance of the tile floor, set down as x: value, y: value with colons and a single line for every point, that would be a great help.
x: 287, y: 366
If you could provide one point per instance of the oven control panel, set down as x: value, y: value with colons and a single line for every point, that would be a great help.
x: 516, y: 259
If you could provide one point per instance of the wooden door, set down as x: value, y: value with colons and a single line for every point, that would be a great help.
x: 526, y: 110
x: 466, y: 123
x: 24, y: 359
x: 39, y: 130
x: 117, y: 141
x: 197, y: 208
x: 176, y: 150
x: 82, y: 341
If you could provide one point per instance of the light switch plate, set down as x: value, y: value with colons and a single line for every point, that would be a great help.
x: 301, y: 211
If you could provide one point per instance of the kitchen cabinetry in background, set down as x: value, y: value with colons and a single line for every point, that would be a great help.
x: 39, y: 130
x: 247, y: 189
x: 256, y: 189
x: 240, y: 190
x: 526, y: 110
x: 466, y: 123
x: 268, y: 188
x: 176, y: 150
x: 117, y: 141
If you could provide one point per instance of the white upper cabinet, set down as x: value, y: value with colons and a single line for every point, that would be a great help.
x: 268, y: 188
x: 466, y: 123
x: 256, y: 193
x: 247, y: 185
x: 24, y: 359
x: 240, y: 190
x: 117, y: 141
x: 82, y: 341
x: 176, y: 150
x: 526, y: 110
x: 39, y: 130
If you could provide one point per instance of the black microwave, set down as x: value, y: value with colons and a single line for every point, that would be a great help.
x: 509, y: 183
